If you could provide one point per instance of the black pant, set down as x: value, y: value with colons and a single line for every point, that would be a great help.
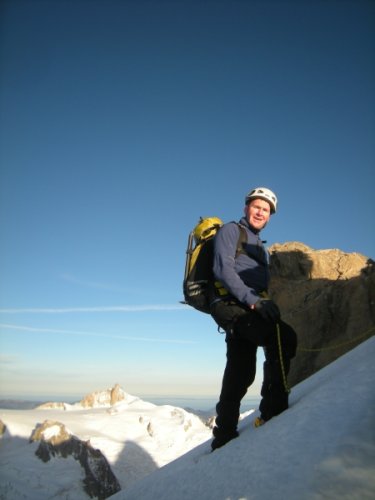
x: 245, y: 331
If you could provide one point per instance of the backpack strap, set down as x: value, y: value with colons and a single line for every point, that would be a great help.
x: 189, y: 251
x: 242, y: 240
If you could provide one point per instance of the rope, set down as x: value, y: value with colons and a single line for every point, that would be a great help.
x: 286, y: 387
x: 303, y: 349
x: 363, y: 335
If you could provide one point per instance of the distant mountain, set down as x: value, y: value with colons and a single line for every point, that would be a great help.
x: 117, y: 444
x: 18, y: 404
x: 97, y: 399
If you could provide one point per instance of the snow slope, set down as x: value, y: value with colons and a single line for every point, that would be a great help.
x: 321, y: 448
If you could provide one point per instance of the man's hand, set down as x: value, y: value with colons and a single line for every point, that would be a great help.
x: 267, y: 309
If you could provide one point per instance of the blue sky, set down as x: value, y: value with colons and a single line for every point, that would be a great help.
x: 122, y: 123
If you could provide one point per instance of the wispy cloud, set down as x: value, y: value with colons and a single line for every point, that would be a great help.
x: 93, y: 334
x: 100, y: 309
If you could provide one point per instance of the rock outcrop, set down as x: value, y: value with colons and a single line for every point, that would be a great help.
x: 328, y: 296
x: 56, y: 440
x: 97, y: 399
x: 50, y: 405
x: 103, y: 398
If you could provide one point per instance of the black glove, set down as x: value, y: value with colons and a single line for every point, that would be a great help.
x: 268, y: 310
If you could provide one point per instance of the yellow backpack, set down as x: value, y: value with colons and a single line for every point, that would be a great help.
x: 199, y: 285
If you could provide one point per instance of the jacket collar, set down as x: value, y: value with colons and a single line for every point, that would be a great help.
x: 244, y: 222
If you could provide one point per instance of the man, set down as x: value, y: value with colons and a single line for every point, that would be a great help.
x: 249, y: 317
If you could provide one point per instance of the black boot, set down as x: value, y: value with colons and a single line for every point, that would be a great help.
x: 226, y: 423
x: 275, y: 396
x: 222, y: 437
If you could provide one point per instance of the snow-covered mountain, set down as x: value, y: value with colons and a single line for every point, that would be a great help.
x: 136, y: 437
x: 323, y: 447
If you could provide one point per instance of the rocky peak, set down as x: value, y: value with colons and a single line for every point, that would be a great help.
x: 56, y: 441
x: 328, y: 296
x: 97, y: 399
x: 108, y: 397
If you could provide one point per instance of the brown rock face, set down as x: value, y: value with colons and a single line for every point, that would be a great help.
x: 116, y: 395
x: 52, y: 432
x: 328, y: 297
x: 102, y: 398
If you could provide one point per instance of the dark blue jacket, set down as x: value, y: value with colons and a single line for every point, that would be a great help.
x: 247, y: 275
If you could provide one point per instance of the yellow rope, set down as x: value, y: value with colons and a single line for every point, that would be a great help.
x: 286, y: 387
x: 363, y: 335
x: 303, y: 349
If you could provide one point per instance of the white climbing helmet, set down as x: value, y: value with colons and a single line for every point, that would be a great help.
x: 264, y: 194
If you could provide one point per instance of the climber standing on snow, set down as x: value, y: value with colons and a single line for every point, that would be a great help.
x: 249, y: 318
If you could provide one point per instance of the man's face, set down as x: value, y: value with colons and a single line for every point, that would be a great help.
x: 258, y: 213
